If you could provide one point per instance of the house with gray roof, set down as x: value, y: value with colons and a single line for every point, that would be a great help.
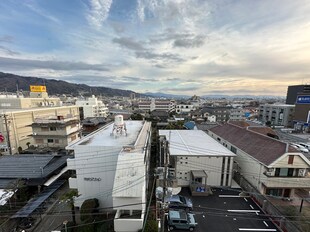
x: 271, y: 166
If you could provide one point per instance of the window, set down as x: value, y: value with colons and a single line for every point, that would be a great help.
x: 56, y: 140
x: 233, y: 149
x: 274, y: 192
x: 50, y: 140
x: 44, y: 129
x: 53, y: 128
x: 39, y: 141
x: 290, y: 159
x: 219, y: 139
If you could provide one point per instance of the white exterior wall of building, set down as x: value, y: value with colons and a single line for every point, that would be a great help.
x: 194, y: 150
x: 211, y: 165
x: 97, y: 161
x: 181, y: 109
x: 92, y: 107
x: 95, y: 168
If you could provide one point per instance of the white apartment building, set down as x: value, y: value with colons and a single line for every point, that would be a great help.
x: 15, y: 125
x: 111, y: 165
x: 92, y: 107
x: 184, y: 108
x: 156, y: 104
x: 198, y: 159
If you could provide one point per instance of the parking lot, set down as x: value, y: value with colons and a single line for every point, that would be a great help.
x: 226, y: 211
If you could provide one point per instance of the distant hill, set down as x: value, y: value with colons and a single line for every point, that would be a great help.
x: 166, y: 95
x: 9, y: 81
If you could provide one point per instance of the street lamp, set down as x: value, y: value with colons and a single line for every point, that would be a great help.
x: 65, y: 223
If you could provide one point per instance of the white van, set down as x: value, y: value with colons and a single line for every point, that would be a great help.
x: 306, y: 145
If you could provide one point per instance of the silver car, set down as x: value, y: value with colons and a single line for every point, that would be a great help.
x: 180, y: 202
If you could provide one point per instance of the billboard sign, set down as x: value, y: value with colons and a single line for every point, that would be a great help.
x: 303, y: 99
x: 37, y: 88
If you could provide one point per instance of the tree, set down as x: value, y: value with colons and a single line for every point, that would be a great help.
x: 69, y: 197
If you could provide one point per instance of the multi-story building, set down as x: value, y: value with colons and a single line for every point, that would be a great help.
x: 112, y: 165
x: 56, y: 131
x: 198, y: 160
x: 156, y: 104
x: 184, y: 108
x: 221, y: 112
x: 15, y: 125
x: 277, y: 114
x: 92, y: 107
x: 271, y: 166
x: 293, y: 91
x: 237, y: 114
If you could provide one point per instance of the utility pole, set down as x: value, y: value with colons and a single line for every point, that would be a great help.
x: 165, y: 172
x: 7, y: 133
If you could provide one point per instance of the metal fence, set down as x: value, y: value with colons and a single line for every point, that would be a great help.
x: 270, y: 209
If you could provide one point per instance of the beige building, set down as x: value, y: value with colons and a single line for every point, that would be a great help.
x: 14, y: 102
x: 56, y: 131
x: 15, y: 124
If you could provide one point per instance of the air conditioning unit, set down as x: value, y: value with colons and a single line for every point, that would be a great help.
x: 302, y: 172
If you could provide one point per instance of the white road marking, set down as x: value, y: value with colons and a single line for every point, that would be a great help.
x: 245, y: 199
x: 266, y: 224
x: 229, y: 196
x: 242, y: 211
x: 248, y: 229
x: 251, y: 207
x: 256, y: 213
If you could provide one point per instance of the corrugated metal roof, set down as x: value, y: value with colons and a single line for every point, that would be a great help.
x: 30, y: 166
x: 260, y: 147
x: 33, y: 204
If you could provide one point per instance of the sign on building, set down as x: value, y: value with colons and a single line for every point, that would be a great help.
x: 303, y: 100
x: 37, y: 88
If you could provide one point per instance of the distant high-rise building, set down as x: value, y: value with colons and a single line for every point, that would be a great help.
x: 292, y: 93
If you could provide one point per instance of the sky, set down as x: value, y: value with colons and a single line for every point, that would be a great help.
x: 172, y: 46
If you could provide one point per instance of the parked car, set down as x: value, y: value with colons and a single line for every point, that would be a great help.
x: 180, y: 219
x: 180, y: 202
x: 300, y: 147
x: 306, y: 145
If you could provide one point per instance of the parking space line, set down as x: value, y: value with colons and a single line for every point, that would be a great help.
x: 266, y: 224
x: 249, y: 229
x: 256, y: 213
x: 251, y: 207
x: 242, y: 211
x: 245, y: 199
x: 229, y: 196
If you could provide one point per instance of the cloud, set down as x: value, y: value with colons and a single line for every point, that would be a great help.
x: 43, y: 13
x: 194, y: 42
x: 6, y: 39
x: 159, y: 56
x: 8, y: 51
x: 21, y: 64
x: 98, y: 12
x: 129, y: 43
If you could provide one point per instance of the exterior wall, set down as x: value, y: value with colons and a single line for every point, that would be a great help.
x: 19, y: 124
x: 157, y: 105
x: 236, y: 115
x: 26, y: 103
x: 97, y: 164
x: 214, y: 167
x: 184, y: 108
x: 92, y: 107
x: 128, y: 224
x: 256, y: 172
x: 278, y: 115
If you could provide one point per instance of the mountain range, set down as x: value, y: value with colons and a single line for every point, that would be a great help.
x: 10, y: 83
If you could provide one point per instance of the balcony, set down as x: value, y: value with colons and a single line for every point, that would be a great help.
x: 286, y: 182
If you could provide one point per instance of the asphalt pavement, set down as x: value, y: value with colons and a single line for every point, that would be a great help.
x: 226, y: 211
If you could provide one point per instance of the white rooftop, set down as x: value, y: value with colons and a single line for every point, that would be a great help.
x: 193, y: 143
x: 103, y: 137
